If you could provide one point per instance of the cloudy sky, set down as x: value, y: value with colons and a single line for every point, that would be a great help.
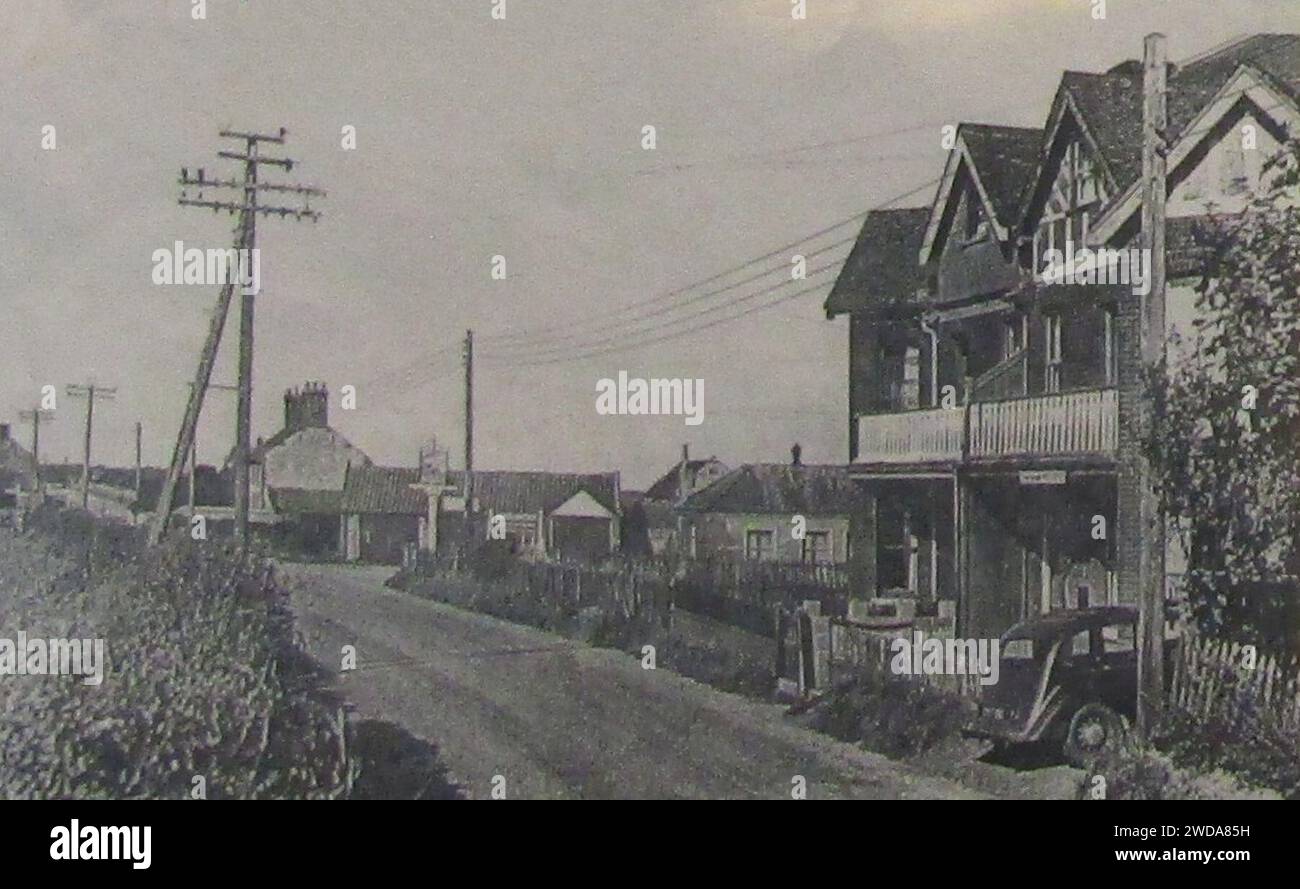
x: 521, y: 138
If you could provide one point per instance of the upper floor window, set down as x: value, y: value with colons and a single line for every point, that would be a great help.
x: 1052, y: 339
x: 1108, y: 344
x: 1010, y: 338
x: 1072, y: 204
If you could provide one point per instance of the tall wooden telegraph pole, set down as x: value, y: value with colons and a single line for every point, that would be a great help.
x: 246, y: 208
x: 1151, y: 340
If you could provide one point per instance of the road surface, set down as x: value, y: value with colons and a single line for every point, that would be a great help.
x: 557, y: 719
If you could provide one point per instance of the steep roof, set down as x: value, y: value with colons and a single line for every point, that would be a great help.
x: 666, y: 487
x: 383, y: 489
x: 1109, y: 104
x: 1275, y: 56
x: 516, y: 491
x: 1005, y: 159
x: 1110, y: 109
x: 882, y: 269
x: 779, y: 488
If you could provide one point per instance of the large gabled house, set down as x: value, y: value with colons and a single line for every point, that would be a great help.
x: 991, y: 402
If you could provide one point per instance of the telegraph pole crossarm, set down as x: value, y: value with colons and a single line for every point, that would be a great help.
x: 91, y: 392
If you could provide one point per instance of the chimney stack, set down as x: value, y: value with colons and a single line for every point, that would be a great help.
x: 306, y: 407
x: 796, y: 455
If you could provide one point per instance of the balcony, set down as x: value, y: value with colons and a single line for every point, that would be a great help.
x: 1066, y: 424
x: 911, y: 437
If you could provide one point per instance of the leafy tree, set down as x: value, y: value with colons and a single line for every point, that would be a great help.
x: 1226, y: 440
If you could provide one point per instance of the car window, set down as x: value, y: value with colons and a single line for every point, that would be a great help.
x: 1018, y: 649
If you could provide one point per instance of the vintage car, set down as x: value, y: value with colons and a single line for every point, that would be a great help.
x: 1067, y: 678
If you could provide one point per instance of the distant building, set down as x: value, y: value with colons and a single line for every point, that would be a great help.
x: 560, y: 515
x: 384, y: 511
x: 298, y: 474
x: 655, y: 519
x: 757, y: 511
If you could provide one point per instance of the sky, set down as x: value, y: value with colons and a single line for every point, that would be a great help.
x: 522, y: 138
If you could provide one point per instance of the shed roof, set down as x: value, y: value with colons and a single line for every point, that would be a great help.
x: 383, y: 489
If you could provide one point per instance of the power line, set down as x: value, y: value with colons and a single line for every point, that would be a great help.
x: 670, y: 295
x: 608, y: 325
x: 685, y: 318
x: 660, y: 339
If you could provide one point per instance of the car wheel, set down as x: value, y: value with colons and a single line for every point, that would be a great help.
x: 1095, y: 731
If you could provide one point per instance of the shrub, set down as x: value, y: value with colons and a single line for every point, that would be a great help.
x: 894, y: 715
x: 1146, y: 774
x: 205, y: 675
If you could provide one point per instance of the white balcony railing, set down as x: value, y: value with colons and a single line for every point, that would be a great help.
x: 1066, y: 424
x: 911, y: 437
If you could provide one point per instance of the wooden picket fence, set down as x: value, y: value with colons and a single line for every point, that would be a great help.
x: 1211, y: 681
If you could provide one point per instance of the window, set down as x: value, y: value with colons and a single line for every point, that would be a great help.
x: 817, y: 546
x: 1074, y: 199
x: 1108, y: 345
x: 759, y: 544
x: 1052, y: 333
x: 1010, y: 338
x: 911, y: 394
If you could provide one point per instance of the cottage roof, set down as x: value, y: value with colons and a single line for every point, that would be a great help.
x: 518, y: 492
x: 779, y: 488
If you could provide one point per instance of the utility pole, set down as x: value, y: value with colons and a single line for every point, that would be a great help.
x: 36, y: 416
x: 247, y: 207
x: 139, y: 428
x: 90, y: 392
x: 1151, y: 342
x: 194, y: 452
x: 469, y: 437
